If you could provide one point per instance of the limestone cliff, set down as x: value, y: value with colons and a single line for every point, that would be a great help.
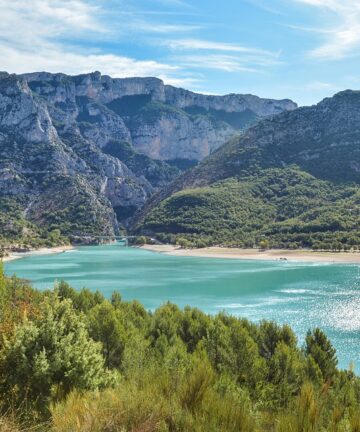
x: 160, y: 121
x: 83, y: 153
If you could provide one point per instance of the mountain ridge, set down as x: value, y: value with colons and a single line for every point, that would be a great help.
x: 69, y: 160
x: 322, y: 141
x: 151, y: 131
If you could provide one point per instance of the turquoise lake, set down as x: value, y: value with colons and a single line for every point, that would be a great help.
x: 304, y: 295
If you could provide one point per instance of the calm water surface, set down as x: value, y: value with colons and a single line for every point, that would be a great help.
x: 304, y: 295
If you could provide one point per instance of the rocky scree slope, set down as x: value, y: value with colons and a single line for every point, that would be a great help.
x: 292, y: 179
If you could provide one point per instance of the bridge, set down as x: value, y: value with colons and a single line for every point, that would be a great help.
x: 105, y: 239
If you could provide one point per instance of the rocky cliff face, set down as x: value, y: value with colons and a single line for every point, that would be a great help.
x: 231, y: 103
x: 60, y: 178
x: 82, y: 153
x: 160, y: 121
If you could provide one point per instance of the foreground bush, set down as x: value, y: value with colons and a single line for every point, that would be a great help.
x: 74, y: 361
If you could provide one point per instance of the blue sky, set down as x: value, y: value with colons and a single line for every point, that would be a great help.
x: 300, y: 49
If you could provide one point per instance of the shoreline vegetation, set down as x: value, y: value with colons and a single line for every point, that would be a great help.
x: 303, y: 255
x: 74, y: 360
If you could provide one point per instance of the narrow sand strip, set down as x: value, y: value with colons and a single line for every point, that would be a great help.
x: 16, y: 255
x: 302, y: 255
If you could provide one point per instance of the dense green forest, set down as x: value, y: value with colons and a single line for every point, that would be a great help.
x: 75, y: 361
x: 279, y: 208
x: 291, y: 181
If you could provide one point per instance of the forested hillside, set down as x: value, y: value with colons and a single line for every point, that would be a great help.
x: 74, y: 361
x: 291, y: 181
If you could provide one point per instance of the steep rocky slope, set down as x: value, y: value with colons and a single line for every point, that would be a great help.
x: 65, y: 182
x: 299, y: 172
x: 160, y: 121
x: 82, y: 153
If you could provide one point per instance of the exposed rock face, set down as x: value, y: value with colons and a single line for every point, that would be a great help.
x: 230, y: 103
x: 82, y: 153
x: 54, y: 172
x: 160, y: 121
x: 176, y: 136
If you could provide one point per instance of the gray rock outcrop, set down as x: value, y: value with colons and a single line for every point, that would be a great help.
x: 83, y: 153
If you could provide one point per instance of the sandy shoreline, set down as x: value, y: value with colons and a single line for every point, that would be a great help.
x: 16, y: 255
x: 255, y: 254
x: 301, y: 255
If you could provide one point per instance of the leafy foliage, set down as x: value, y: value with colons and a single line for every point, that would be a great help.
x: 46, y: 357
x: 72, y: 360
x: 276, y: 208
x: 291, y: 180
x: 15, y: 230
x: 49, y: 220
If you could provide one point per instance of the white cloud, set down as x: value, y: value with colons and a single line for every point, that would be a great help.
x: 144, y: 26
x: 53, y: 35
x: 198, y: 44
x: 31, y: 37
x: 226, y: 63
x: 25, y: 23
x: 181, y: 82
x: 331, y: 4
x: 227, y: 57
x: 340, y: 39
x: 53, y: 59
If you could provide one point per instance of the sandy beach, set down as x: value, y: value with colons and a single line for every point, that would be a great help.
x: 16, y: 255
x: 302, y: 255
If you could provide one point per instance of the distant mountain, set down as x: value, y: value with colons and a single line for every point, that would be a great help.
x: 293, y: 179
x: 160, y: 121
x: 81, y: 154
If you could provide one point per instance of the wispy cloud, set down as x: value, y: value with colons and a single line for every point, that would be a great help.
x: 39, y: 45
x: 55, y: 59
x: 79, y: 36
x: 227, y: 57
x: 226, y: 63
x: 339, y: 39
x: 198, y: 44
x: 186, y: 82
x: 153, y: 27
x: 264, y: 5
x: 28, y: 23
